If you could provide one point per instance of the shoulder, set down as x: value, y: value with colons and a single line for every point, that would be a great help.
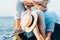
x: 19, y: 1
x: 52, y: 15
x: 50, y: 12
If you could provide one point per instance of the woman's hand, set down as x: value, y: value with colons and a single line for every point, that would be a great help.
x: 28, y: 2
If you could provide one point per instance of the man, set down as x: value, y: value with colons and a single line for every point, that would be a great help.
x: 48, y: 23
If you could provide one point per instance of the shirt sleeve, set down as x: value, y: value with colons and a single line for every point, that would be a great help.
x: 50, y: 20
x: 19, y: 10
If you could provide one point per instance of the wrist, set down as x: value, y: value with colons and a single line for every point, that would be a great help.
x: 48, y: 34
x: 17, y: 24
x: 18, y: 28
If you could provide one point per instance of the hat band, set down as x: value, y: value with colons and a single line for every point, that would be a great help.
x: 32, y: 20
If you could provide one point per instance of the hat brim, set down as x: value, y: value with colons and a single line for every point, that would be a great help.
x: 29, y: 29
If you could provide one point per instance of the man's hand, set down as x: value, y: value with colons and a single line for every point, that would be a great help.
x: 47, y: 38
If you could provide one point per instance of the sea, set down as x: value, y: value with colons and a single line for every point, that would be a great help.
x: 6, y: 27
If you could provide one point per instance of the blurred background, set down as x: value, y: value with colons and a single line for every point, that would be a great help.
x: 7, y: 11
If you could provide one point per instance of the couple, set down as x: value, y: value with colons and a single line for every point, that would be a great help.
x: 44, y: 24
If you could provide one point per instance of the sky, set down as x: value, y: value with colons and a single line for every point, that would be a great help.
x: 54, y: 5
x: 7, y: 7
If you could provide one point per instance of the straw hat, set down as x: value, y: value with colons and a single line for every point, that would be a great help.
x: 29, y: 21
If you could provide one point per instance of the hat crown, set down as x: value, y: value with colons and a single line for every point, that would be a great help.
x: 26, y: 20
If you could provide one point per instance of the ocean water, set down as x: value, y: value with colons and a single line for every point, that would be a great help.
x: 6, y: 27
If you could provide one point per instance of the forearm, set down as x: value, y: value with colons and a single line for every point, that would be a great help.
x: 37, y: 6
x: 17, y: 28
x: 17, y: 24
